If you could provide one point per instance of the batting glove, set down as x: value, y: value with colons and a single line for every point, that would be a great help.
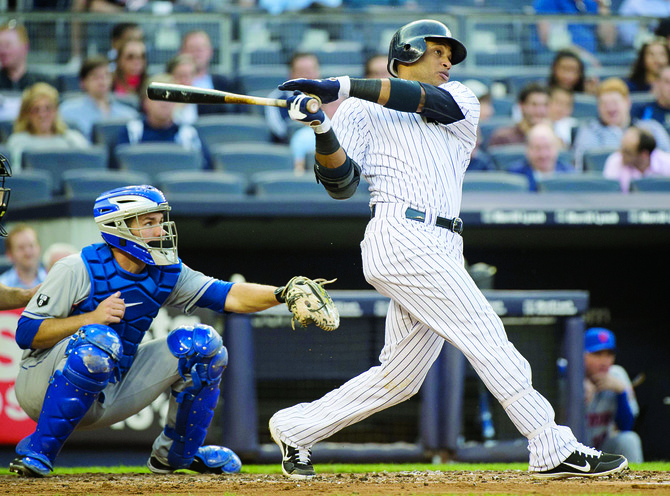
x: 328, y: 90
x: 297, y: 111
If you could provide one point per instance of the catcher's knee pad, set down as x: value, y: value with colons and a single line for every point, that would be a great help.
x: 91, y: 358
x: 202, y: 358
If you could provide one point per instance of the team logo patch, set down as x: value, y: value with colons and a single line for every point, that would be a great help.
x: 42, y: 300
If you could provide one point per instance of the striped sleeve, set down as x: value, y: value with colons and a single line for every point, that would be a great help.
x: 350, y: 126
x: 466, y: 129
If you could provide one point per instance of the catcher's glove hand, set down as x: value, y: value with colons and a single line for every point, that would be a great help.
x: 309, y: 303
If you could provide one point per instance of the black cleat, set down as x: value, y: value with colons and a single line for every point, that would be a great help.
x: 296, y: 463
x: 585, y: 462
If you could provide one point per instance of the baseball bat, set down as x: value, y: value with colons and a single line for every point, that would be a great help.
x: 190, y: 94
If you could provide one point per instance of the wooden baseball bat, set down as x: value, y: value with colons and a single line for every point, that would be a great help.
x: 190, y: 94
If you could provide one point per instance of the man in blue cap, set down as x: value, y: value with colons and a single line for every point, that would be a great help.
x: 611, y: 407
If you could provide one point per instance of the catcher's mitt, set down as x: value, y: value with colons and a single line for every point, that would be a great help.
x: 310, y: 303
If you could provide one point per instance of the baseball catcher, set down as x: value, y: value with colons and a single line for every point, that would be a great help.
x: 83, y: 335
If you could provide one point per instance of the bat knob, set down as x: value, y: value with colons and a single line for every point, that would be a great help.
x: 313, y: 105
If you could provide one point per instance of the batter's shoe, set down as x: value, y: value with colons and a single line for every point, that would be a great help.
x: 29, y: 466
x: 208, y: 460
x: 296, y: 462
x: 585, y: 462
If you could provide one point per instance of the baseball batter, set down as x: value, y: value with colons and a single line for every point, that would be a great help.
x: 85, y: 364
x: 411, y: 138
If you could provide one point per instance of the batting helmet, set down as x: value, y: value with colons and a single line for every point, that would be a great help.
x: 409, y: 43
x: 113, y: 210
x: 5, y: 172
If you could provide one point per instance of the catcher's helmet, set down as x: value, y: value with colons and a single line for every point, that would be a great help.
x: 409, y: 43
x: 114, y: 208
x: 5, y: 172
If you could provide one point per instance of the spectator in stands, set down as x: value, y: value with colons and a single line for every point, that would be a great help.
x: 659, y: 109
x: 55, y: 252
x: 301, y: 65
x: 663, y: 29
x: 157, y: 124
x: 275, y: 7
x: 629, y: 31
x: 23, y: 249
x: 198, y: 45
x: 585, y: 37
x: 131, y: 68
x: 567, y: 72
x: 611, y: 406
x: 559, y: 111
x: 14, y: 46
x: 376, y: 67
x: 533, y: 102
x: 636, y: 158
x: 614, y: 117
x: 182, y: 69
x: 541, y: 161
x: 98, y: 103
x: 121, y: 33
x: 39, y: 125
x: 651, y: 58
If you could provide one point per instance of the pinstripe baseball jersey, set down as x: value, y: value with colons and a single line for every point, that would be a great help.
x: 407, y: 159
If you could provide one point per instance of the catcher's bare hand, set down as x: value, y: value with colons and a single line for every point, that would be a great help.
x: 310, y: 303
x: 110, y: 310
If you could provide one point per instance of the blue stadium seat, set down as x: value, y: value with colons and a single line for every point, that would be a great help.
x: 107, y: 132
x: 29, y: 186
x: 594, y: 159
x: 506, y: 155
x: 579, y: 183
x: 202, y: 183
x: 263, y: 82
x: 492, y: 182
x: 488, y: 127
x: 277, y: 183
x: 249, y: 158
x: 651, y: 185
x: 230, y: 129
x: 585, y: 106
x: 68, y: 82
x: 89, y: 184
x: 55, y: 162
x: 6, y: 128
x: 503, y: 106
x: 154, y: 158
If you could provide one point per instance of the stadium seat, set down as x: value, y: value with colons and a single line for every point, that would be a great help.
x: 594, y: 159
x: 89, y: 184
x: 651, y: 185
x: 506, y: 155
x: 154, y: 158
x: 55, y: 162
x: 215, y: 183
x: 29, y: 186
x: 491, y: 182
x: 579, y: 183
x: 230, y: 129
x: 277, y: 183
x: 6, y: 128
x: 249, y: 158
x: 488, y: 127
x: 107, y: 132
x: 585, y: 107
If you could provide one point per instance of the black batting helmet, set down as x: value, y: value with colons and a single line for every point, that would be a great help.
x: 5, y: 172
x: 409, y: 43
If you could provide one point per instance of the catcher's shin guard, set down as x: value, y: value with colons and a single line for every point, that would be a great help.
x: 202, y: 357
x: 92, y: 356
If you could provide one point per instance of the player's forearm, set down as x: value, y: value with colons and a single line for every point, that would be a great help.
x: 245, y: 297
x: 11, y: 298
x: 52, y: 331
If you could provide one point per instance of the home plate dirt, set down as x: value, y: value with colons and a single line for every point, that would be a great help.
x: 374, y: 483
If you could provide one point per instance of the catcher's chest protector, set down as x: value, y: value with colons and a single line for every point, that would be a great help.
x: 143, y: 293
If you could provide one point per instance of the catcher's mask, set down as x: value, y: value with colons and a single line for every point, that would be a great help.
x: 409, y: 43
x: 5, y: 172
x: 114, y: 212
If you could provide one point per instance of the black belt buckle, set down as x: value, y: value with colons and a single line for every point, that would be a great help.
x: 457, y: 225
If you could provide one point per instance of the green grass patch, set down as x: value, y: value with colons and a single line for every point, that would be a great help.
x: 351, y: 468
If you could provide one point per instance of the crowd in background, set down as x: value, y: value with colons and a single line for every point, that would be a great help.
x: 629, y: 118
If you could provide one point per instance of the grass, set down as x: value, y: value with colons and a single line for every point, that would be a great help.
x: 352, y: 468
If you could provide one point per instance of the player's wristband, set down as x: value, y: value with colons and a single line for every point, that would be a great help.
x: 324, y: 127
x: 278, y: 294
x: 327, y: 143
x: 366, y: 89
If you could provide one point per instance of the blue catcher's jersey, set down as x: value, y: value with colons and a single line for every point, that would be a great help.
x: 143, y: 294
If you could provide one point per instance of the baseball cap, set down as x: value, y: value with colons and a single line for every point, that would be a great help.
x: 598, y: 339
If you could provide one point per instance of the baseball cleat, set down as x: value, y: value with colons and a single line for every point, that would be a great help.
x: 296, y: 462
x: 208, y: 460
x: 585, y: 462
x: 29, y: 467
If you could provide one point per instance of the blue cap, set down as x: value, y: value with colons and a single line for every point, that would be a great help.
x: 598, y: 339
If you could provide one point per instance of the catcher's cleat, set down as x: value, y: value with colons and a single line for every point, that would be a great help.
x: 585, y: 462
x: 296, y: 462
x: 28, y: 466
x: 208, y: 460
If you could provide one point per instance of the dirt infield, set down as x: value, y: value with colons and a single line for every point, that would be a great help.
x: 382, y: 483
